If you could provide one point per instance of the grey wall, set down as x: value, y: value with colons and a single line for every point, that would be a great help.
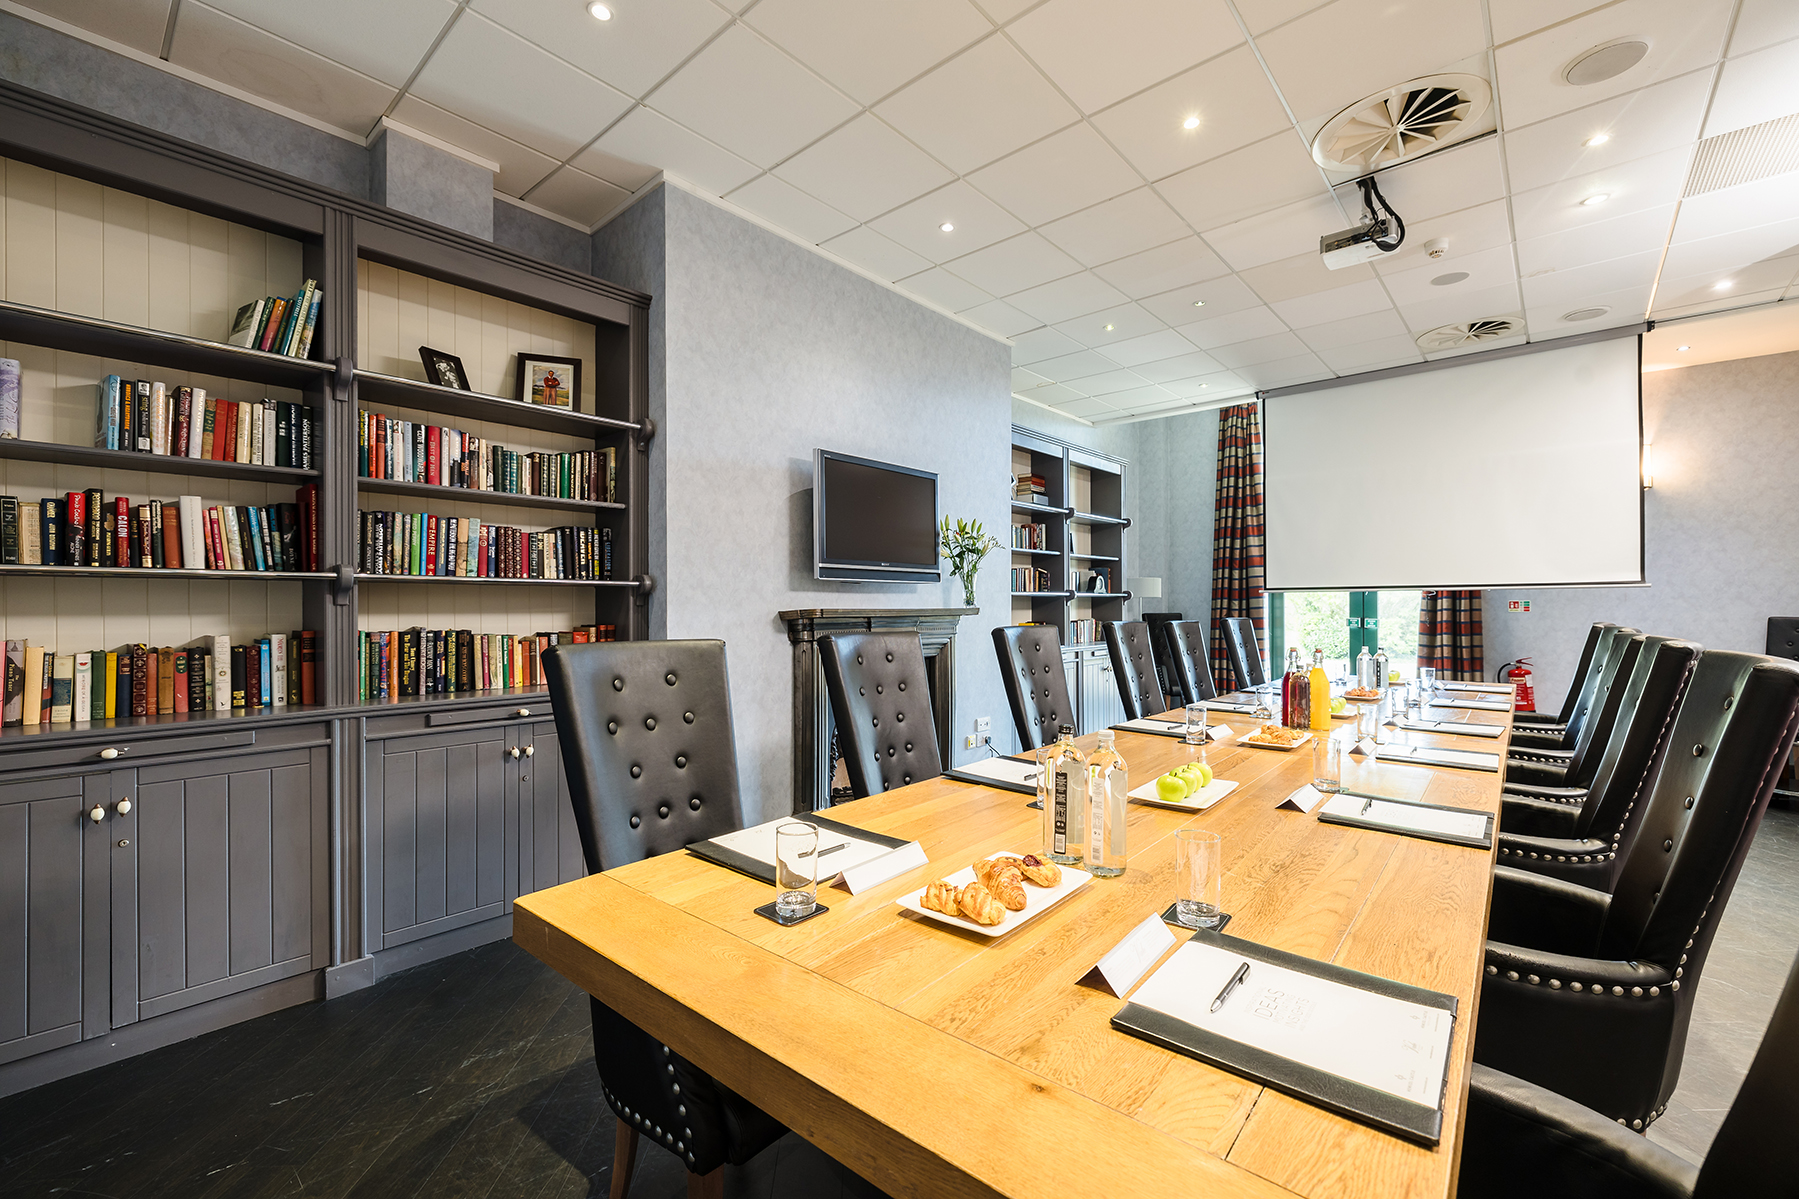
x: 1721, y: 524
x: 413, y: 177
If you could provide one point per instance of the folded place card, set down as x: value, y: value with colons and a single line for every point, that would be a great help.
x: 892, y: 864
x: 1304, y: 799
x: 1128, y: 960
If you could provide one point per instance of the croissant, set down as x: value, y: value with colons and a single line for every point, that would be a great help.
x: 1003, y: 880
x: 978, y: 905
x: 940, y: 896
x: 1036, y: 870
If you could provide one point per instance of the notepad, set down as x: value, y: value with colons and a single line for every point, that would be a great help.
x: 751, y: 850
x: 1171, y: 728
x: 1432, y: 755
x: 1451, y: 727
x: 1010, y: 774
x: 1491, y: 688
x: 1479, y: 705
x: 1430, y: 821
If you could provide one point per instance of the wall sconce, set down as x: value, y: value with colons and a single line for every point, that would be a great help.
x: 1142, y: 589
x: 1648, y: 465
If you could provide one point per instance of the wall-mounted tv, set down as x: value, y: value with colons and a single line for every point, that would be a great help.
x: 873, y: 522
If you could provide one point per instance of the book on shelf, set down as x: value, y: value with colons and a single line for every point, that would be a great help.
x: 185, y: 422
x: 9, y: 397
x: 1030, y: 578
x: 411, y: 452
x: 402, y: 663
x: 423, y: 544
x: 279, y: 324
x: 1030, y: 489
x: 1030, y: 536
x: 1083, y: 632
x: 85, y: 529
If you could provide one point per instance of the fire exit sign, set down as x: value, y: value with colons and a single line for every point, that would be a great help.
x: 1518, y: 606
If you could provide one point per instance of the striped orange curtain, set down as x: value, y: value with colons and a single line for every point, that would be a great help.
x: 1449, y: 634
x: 1237, y: 534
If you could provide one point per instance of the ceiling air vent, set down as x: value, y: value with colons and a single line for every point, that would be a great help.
x: 1403, y: 122
x: 1469, y: 333
x: 1745, y: 155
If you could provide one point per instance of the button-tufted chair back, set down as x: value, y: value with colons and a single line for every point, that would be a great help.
x: 1189, y: 666
x: 1134, y: 666
x: 1639, y: 742
x: 1030, y: 662
x: 1245, y: 655
x: 881, y: 701
x: 1582, y: 670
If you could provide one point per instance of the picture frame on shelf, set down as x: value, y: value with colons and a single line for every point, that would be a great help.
x: 445, y: 370
x: 548, y: 380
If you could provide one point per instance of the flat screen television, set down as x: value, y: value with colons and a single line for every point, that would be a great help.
x: 873, y: 522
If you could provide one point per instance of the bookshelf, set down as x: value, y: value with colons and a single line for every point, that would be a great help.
x: 1084, y: 522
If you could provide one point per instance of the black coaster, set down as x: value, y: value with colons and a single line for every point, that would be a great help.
x: 1035, y: 803
x: 767, y: 911
x: 1169, y: 917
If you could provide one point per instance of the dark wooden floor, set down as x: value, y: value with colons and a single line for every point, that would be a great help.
x: 474, y: 1076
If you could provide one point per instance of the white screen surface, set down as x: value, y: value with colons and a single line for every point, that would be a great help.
x: 1504, y: 472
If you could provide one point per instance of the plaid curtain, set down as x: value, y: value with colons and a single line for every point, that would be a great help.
x: 1449, y: 634
x: 1237, y: 533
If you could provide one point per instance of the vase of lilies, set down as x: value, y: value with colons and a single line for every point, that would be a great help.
x: 963, y: 544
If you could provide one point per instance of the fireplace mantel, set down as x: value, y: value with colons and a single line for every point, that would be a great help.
x: 936, y: 629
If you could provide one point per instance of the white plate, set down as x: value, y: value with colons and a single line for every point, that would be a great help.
x: 1246, y: 739
x: 1037, y: 900
x: 1199, y: 801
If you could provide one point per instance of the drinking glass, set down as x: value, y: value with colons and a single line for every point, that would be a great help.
x: 1427, y: 685
x: 1196, y: 725
x: 796, y: 869
x: 1199, y: 878
x: 1367, y: 722
x: 1327, y: 763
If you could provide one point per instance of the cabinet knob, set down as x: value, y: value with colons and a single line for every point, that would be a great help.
x: 524, y: 712
x: 109, y: 753
x: 124, y: 807
x: 529, y: 750
x: 125, y: 843
x: 513, y: 751
x: 97, y: 814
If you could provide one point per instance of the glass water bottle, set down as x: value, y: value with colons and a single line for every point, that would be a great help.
x: 1065, y: 806
x: 1108, y: 781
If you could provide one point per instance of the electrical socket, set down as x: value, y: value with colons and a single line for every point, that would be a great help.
x: 976, y: 740
x: 982, y: 724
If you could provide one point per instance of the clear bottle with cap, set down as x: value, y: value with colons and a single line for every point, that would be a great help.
x: 1364, y: 670
x: 1108, y: 782
x: 1064, y: 808
x: 1296, y: 712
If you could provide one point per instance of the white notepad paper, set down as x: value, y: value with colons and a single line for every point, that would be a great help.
x: 1003, y: 770
x: 1408, y: 817
x: 1434, y: 755
x: 758, y: 842
x: 1454, y: 728
x: 1220, y: 732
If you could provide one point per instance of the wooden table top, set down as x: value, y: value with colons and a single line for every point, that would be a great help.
x: 937, y: 1063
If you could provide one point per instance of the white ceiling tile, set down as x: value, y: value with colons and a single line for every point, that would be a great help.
x: 136, y: 23
x: 997, y: 316
x: 1064, y: 172
x: 1281, y: 233
x: 1238, y: 327
x: 1147, y: 398
x: 1629, y: 187
x: 1747, y: 259
x: 1573, y: 287
x: 1213, y: 193
x: 1302, y: 275
x: 864, y: 169
x: 1485, y: 268
x: 1218, y: 383
x: 1123, y: 322
x: 244, y: 56
x: 1260, y: 349
x: 645, y: 40
x: 1635, y: 125
x: 1582, y: 245
x: 1055, y: 393
x: 1283, y: 372
x: 1066, y: 298
x: 1623, y: 307
x: 869, y: 49
x: 1039, y: 344
x: 578, y: 196
x: 1202, y: 301
x: 1356, y: 330
x: 1334, y: 56
x: 1023, y: 379
x: 1069, y: 368
x: 1745, y: 283
x: 384, y: 41
x: 649, y: 137
x: 1087, y: 408
x: 1713, y: 303
x: 1468, y: 231
x: 1158, y: 346
x: 1740, y: 208
x: 475, y: 74
x: 1683, y: 35
x: 1755, y: 88
x: 1378, y: 354
x: 1358, y: 299
x: 1014, y: 265
x: 1113, y: 382
x: 631, y: 175
x: 982, y: 104
x: 944, y: 289
x: 1512, y: 19
x: 1143, y: 41
x: 751, y: 99
x: 1460, y: 306
x: 1164, y: 268
x: 878, y: 255
x: 1461, y: 177
x: 1125, y: 225
x: 791, y: 209
x: 1479, y: 347
x: 977, y: 222
x: 1762, y: 23
x: 520, y: 166
x: 1004, y: 10
x: 1263, y: 15
x: 1188, y: 365
x: 1231, y: 97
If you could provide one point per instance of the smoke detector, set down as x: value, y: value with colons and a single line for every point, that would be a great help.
x: 1403, y: 122
x: 1469, y: 333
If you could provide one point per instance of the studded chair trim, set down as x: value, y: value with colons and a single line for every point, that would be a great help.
x: 881, y: 699
x: 1030, y: 664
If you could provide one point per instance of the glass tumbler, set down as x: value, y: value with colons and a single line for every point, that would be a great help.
x: 1327, y: 763
x: 1427, y: 685
x: 1199, y: 878
x: 1196, y: 725
x: 796, y: 869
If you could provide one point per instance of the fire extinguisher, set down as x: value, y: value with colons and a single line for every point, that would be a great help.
x: 1519, y: 676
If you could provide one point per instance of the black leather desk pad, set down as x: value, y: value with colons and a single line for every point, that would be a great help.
x: 1485, y: 842
x: 962, y: 776
x: 720, y: 855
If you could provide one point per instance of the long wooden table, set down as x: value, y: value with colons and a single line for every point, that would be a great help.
x: 936, y: 1063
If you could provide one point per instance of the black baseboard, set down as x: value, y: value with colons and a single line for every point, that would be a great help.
x: 429, y: 949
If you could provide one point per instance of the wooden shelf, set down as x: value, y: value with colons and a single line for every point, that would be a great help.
x: 486, y: 579
x: 375, y: 388
x: 163, y: 572
x: 1095, y: 518
x: 1095, y: 557
x: 161, y: 464
x: 1101, y: 594
x: 1021, y: 550
x: 12, y: 736
x: 112, y: 339
x: 476, y: 495
x: 1055, y: 595
x: 374, y: 706
x: 1045, y: 509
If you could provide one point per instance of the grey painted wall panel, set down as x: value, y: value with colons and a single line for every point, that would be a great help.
x: 433, y: 835
x: 411, y: 176
x: 15, y: 866
x: 54, y: 940
x: 290, y: 854
x: 251, y: 836
x: 161, y: 905
x: 523, y: 230
x: 206, y: 804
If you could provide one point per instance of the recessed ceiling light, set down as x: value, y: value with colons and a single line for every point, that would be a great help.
x: 1606, y: 61
x: 1596, y: 198
x: 1598, y: 139
x: 599, y: 12
x: 1190, y: 123
x: 947, y: 227
x: 1683, y: 349
x: 1199, y: 303
x: 1451, y: 277
x: 1108, y: 328
x: 1721, y: 285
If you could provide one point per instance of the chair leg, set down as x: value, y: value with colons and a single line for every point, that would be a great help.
x: 707, y: 1186
x: 624, y: 1159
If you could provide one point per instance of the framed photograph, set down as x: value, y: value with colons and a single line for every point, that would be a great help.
x: 443, y: 369
x: 547, y: 379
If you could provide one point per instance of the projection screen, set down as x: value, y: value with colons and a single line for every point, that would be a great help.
x: 1514, y: 471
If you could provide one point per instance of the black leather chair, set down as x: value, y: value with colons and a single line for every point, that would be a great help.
x: 881, y: 700
x: 1583, y: 835
x: 1245, y: 655
x: 1560, y: 719
x: 1030, y: 663
x: 1158, y: 623
x: 1189, y: 665
x: 1575, y: 766
x: 1134, y: 667
x: 1519, y: 1138
x: 651, y: 760
x: 1589, y: 993
x: 1562, y: 737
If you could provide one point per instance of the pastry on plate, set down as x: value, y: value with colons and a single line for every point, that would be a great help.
x: 940, y: 896
x: 977, y: 904
x: 1036, y: 870
x: 1003, y: 880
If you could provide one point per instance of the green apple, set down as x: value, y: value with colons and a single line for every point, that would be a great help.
x: 1205, y: 776
x: 1171, y: 788
x: 1339, y: 704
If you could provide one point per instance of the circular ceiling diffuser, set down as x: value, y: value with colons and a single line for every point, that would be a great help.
x: 1468, y: 333
x: 1586, y: 314
x: 1402, y: 122
x: 1606, y: 62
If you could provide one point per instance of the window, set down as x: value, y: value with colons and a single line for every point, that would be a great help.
x: 1341, y: 623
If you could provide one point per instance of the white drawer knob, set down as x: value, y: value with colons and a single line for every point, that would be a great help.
x: 524, y: 711
x: 124, y: 806
x: 109, y: 753
x: 529, y: 750
x: 514, y: 751
x: 97, y: 815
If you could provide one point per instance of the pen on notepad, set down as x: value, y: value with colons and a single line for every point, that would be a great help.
x: 832, y: 849
x: 1242, y: 972
x: 1366, y: 804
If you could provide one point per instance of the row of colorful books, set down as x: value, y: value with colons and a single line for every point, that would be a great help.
x: 83, y: 528
x: 409, y: 452
x: 1083, y: 632
x: 279, y: 324
x: 397, y: 663
x: 147, y: 417
x: 1030, y: 537
x: 419, y: 543
x: 42, y: 686
x: 1030, y: 578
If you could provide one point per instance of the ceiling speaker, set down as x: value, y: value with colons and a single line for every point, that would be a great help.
x: 1586, y: 314
x: 1606, y: 62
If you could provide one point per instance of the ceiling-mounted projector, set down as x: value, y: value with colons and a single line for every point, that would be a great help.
x: 1382, y: 233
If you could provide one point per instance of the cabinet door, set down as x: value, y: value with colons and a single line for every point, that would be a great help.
x: 53, y: 916
x: 438, y: 832
x: 1100, y: 705
x: 1072, y: 675
x: 550, y: 845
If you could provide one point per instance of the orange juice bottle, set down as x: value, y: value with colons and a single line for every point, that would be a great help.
x: 1321, y: 692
